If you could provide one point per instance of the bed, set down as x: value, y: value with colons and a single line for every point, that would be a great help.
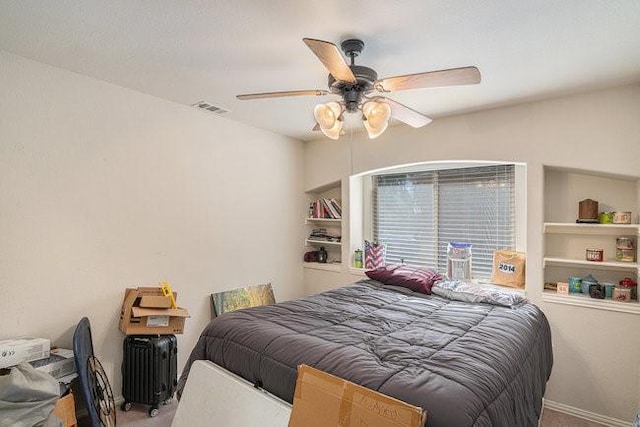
x: 465, y: 363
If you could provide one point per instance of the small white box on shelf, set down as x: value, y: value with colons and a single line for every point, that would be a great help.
x: 562, y: 288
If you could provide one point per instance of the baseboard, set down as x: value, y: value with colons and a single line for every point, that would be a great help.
x: 585, y: 415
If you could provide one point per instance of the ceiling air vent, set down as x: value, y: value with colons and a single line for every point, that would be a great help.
x: 204, y: 105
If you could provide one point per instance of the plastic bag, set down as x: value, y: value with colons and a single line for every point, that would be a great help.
x: 27, y: 396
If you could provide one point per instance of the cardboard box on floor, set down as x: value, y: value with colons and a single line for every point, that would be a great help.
x: 322, y: 400
x: 64, y: 413
x: 146, y: 311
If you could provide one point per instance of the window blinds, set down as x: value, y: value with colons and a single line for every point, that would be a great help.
x: 416, y: 214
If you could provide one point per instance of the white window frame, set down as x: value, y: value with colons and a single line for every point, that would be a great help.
x: 360, y: 186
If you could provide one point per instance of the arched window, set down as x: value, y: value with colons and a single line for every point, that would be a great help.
x: 416, y: 212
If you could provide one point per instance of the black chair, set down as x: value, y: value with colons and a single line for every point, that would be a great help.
x: 96, y: 390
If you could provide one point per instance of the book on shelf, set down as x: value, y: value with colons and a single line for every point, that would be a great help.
x: 330, y: 208
x: 325, y: 208
x: 337, y: 207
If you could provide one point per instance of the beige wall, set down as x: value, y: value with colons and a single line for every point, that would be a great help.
x: 103, y: 188
x: 597, y: 352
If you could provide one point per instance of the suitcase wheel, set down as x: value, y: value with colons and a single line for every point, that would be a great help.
x: 153, y: 412
x: 126, y: 406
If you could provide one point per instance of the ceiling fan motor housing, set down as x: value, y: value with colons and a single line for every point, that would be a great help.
x: 352, y: 47
x: 352, y: 92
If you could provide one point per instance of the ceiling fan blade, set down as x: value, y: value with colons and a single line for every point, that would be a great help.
x: 441, y: 78
x: 313, y: 92
x: 332, y: 59
x: 405, y: 114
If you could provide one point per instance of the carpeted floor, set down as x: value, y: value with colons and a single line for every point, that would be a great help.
x: 138, y: 416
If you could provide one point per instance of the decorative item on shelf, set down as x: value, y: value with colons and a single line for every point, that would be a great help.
x: 575, y: 283
x: 622, y: 217
x: 562, y: 288
x: 622, y: 294
x: 322, y: 255
x: 374, y: 254
x: 625, y: 243
x: 625, y: 249
x: 628, y: 283
x: 608, y: 289
x: 311, y: 256
x: 596, y: 291
x: 625, y: 255
x: 357, y: 258
x: 605, y: 217
x: 595, y: 254
x: 588, y: 211
x: 587, y: 281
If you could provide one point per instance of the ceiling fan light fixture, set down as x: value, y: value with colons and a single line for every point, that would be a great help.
x: 334, y: 132
x: 328, y: 117
x: 376, y: 117
x: 327, y: 114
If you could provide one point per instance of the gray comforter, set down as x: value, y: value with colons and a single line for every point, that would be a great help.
x: 465, y: 364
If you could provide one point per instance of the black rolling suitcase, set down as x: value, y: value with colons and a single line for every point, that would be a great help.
x: 149, y: 370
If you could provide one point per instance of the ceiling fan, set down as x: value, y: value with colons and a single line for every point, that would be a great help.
x: 361, y: 90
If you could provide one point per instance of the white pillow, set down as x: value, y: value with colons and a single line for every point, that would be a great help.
x: 469, y: 292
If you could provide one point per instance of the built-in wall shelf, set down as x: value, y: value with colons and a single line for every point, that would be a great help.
x: 323, y: 220
x: 323, y: 266
x: 599, y: 229
x: 581, y: 263
x: 323, y: 224
x: 567, y: 242
x: 582, y: 300
x: 323, y: 243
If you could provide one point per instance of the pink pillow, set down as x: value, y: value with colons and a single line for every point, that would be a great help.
x: 417, y: 279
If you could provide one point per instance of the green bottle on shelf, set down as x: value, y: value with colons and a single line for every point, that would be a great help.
x: 357, y: 258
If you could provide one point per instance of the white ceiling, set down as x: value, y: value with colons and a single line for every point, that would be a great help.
x: 189, y: 51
